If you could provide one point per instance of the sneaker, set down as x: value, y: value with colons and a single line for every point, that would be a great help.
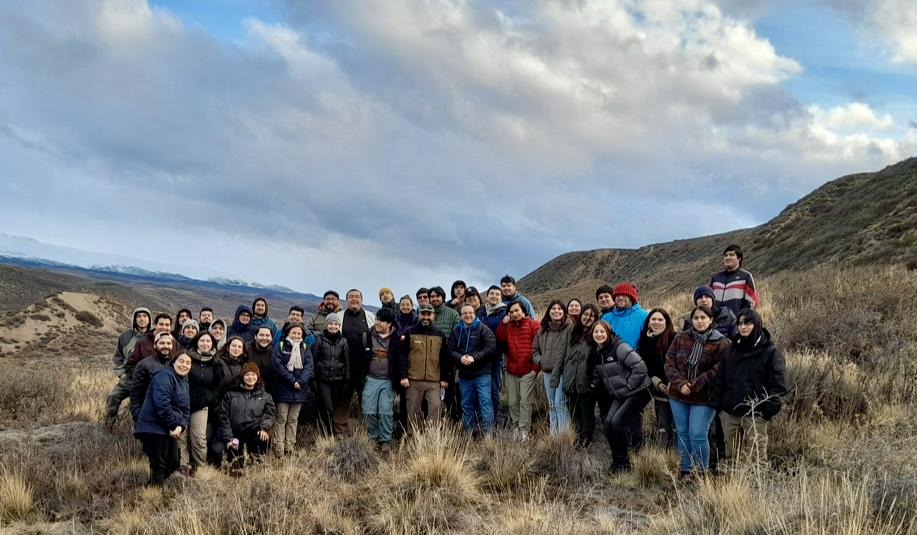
x: 523, y: 435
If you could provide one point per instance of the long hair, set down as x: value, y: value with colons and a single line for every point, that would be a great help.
x: 664, y: 340
x: 546, y: 319
x: 578, y: 329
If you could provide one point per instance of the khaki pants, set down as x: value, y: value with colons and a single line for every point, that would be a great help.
x: 192, y: 444
x: 745, y: 436
x: 520, y: 392
x: 417, y: 393
x: 285, y: 425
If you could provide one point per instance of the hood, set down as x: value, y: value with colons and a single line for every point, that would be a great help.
x: 266, y: 309
x: 138, y: 310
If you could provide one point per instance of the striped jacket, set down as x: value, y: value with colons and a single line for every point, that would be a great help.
x: 734, y: 290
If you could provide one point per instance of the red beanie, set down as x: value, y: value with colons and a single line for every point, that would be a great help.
x: 625, y: 289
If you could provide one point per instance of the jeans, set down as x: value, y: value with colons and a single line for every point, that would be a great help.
x: 557, y: 405
x: 691, y: 425
x: 477, y: 390
x: 496, y: 383
x: 617, y: 423
x: 379, y: 408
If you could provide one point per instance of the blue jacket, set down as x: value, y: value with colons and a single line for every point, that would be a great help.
x: 240, y: 329
x: 284, y: 378
x: 167, y: 404
x: 476, y: 340
x: 627, y: 323
x: 529, y: 311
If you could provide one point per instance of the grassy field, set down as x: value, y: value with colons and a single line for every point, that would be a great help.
x: 841, y: 451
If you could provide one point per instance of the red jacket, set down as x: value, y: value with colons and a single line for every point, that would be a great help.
x: 518, y: 337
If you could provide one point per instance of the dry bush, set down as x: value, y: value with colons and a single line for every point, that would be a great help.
x: 89, y: 318
x: 16, y: 501
x: 564, y: 464
x: 504, y: 466
x: 654, y: 466
x: 32, y: 395
x: 350, y: 457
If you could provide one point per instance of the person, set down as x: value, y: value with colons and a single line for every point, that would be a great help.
x: 576, y: 370
x: 143, y: 372
x: 472, y: 345
x: 229, y: 363
x: 548, y: 348
x: 356, y: 323
x: 658, y: 333
x: 292, y: 371
x: 296, y: 315
x: 692, y: 365
x: 725, y: 320
x: 218, y: 330
x: 621, y: 371
x: 205, y: 318
x: 145, y: 347
x: 406, y: 316
x: 140, y: 326
x: 379, y: 373
x: 181, y: 317
x: 260, y: 317
x: 426, y: 367
x: 332, y: 375
x: 188, y: 331
x: 165, y: 412
x: 518, y: 332
x: 574, y: 309
x: 445, y: 321
x: 458, y: 295
x: 753, y: 384
x: 246, y: 418
x: 734, y: 288
x: 261, y: 353
x: 508, y: 288
x: 472, y: 297
x: 492, y: 314
x: 331, y: 303
x: 241, y: 323
x: 423, y: 296
x: 387, y: 299
x: 627, y: 316
x: 604, y: 299
x: 203, y: 382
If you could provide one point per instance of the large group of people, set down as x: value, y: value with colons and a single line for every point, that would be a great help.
x: 208, y: 391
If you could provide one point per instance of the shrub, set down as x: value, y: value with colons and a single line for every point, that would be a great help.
x: 15, y: 497
x: 88, y: 317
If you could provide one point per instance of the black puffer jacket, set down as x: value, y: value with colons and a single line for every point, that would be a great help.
x: 244, y: 411
x: 619, y: 368
x: 330, y: 353
x: 203, y: 382
x: 753, y: 373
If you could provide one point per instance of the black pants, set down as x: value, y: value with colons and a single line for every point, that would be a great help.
x: 327, y: 396
x: 582, y: 412
x: 162, y: 451
x: 248, y: 442
x: 620, y: 415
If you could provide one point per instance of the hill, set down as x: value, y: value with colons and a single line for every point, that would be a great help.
x: 860, y: 219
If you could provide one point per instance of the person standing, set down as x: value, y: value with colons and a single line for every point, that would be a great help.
x: 140, y: 326
x: 292, y: 372
x: 426, y: 367
x: 576, y: 370
x: 518, y: 332
x: 657, y: 336
x: 725, y: 321
x: 261, y: 353
x: 492, y: 314
x: 380, y: 373
x: 331, y: 303
x: 445, y: 321
x: 260, y: 317
x: 203, y: 383
x: 143, y: 372
x: 548, y: 348
x: 356, y: 324
x: 510, y: 294
x: 472, y: 345
x: 734, y: 288
x: 332, y: 375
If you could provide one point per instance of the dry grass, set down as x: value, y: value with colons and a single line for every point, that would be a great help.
x: 16, y: 501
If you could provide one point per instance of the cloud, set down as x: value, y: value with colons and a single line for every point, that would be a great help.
x: 404, y: 142
x: 892, y: 20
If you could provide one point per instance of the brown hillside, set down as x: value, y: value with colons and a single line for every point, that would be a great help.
x: 860, y: 219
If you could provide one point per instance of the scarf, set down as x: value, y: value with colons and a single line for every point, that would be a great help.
x: 699, y: 340
x: 205, y: 356
x: 295, y: 356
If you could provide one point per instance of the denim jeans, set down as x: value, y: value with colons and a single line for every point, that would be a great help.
x: 477, y: 390
x: 557, y: 405
x: 379, y: 409
x: 496, y: 383
x: 691, y: 425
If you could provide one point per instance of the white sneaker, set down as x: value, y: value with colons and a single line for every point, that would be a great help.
x: 523, y: 435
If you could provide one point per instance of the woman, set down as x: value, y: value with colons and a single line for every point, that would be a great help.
x: 164, y: 415
x: 623, y: 374
x: 577, y: 376
x: 548, y: 349
x: 407, y: 316
x: 189, y: 330
x: 332, y: 374
x: 691, y: 366
x: 241, y: 324
x: 458, y: 295
x: 655, y: 340
x: 246, y: 417
x: 218, y: 330
x: 292, y: 373
x: 181, y: 317
x: 753, y: 369
x: 203, y: 383
x: 574, y: 309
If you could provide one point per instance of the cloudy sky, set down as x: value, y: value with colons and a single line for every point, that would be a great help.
x: 336, y: 143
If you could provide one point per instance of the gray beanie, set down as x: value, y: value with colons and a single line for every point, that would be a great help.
x: 333, y: 317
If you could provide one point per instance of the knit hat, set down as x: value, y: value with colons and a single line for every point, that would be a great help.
x: 333, y: 317
x: 385, y: 289
x: 191, y: 322
x: 157, y: 336
x: 704, y: 290
x: 627, y: 289
x: 250, y: 367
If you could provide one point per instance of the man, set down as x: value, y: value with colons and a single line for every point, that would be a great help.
x: 377, y: 377
x: 627, y: 316
x: 259, y: 318
x: 508, y: 287
x: 331, y: 303
x: 140, y: 325
x: 205, y: 318
x: 472, y: 346
x: 261, y: 352
x: 518, y: 332
x: 494, y: 311
x: 446, y: 320
x: 144, y: 371
x: 604, y: 299
x: 426, y: 366
x: 734, y: 288
x: 423, y: 296
x: 295, y: 315
x: 725, y: 321
x: 162, y: 323
x: 356, y: 323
